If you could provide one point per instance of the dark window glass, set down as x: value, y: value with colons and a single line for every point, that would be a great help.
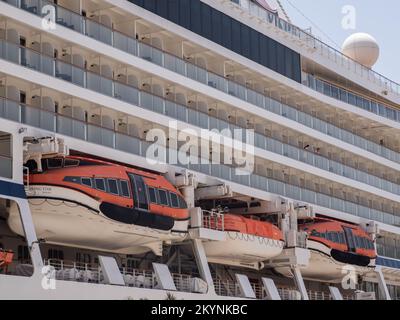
x: 264, y: 51
x: 182, y: 203
x: 54, y: 163
x: 255, y: 44
x: 184, y: 13
x: 272, y: 54
x: 139, y: 188
x: 112, y: 186
x: 235, y: 26
x: 226, y: 31
x: 100, y: 184
x: 73, y: 179
x: 245, y: 40
x: 162, y: 9
x: 216, y: 27
x: 206, y: 26
x: 173, y: 11
x: 71, y: 163
x: 124, y: 188
x: 281, y: 58
x: 174, y: 200
x: 150, y: 5
x: 195, y: 18
x: 163, y: 197
x: 232, y: 34
x: 152, y: 195
x: 86, y: 182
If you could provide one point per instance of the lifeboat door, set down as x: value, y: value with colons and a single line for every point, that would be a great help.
x: 139, y: 192
x: 351, y: 243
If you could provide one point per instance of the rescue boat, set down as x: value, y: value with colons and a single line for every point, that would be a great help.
x: 247, y: 242
x: 337, y: 249
x: 103, y: 206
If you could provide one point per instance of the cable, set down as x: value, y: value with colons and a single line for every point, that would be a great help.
x: 315, y: 25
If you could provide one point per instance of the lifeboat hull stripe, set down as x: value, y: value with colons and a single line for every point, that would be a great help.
x: 12, y: 189
x: 63, y: 186
x: 344, y: 257
x: 136, y: 217
x: 65, y: 200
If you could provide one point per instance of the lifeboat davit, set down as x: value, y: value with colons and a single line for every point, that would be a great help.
x: 336, y: 249
x: 247, y: 242
x: 103, y: 206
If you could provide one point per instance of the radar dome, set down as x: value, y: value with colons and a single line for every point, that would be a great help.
x: 362, y: 48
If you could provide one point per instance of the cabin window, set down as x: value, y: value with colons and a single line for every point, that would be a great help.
x: 54, y: 163
x: 335, y: 237
x: 152, y: 195
x: 113, y: 186
x: 83, y: 258
x: 73, y: 179
x: 55, y: 254
x: 342, y: 239
x: 100, y: 184
x: 182, y: 203
x: 71, y: 163
x: 163, y: 197
x: 23, y: 253
x: 124, y: 188
x: 174, y: 200
x: 87, y: 182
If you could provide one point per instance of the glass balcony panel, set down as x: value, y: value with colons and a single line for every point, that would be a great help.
x: 126, y: 93
x: 127, y: 143
x: 125, y: 43
x: 70, y: 19
x: 12, y: 111
x: 32, y: 6
x: 30, y: 59
x: 99, y: 32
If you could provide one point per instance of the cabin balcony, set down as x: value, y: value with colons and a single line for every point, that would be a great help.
x: 56, y: 112
x: 152, y: 44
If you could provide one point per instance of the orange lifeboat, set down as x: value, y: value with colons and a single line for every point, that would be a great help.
x: 336, y: 247
x: 247, y: 242
x: 104, y: 206
x: 6, y: 258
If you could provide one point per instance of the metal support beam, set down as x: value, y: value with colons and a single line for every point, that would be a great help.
x: 382, y: 283
x: 202, y: 264
x: 335, y: 293
x: 300, y: 283
x: 30, y: 234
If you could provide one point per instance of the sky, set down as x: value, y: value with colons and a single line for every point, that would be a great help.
x: 381, y: 19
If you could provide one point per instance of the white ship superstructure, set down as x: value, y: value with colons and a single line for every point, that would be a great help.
x: 83, y: 83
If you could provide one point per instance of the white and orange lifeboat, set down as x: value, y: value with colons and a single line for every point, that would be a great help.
x: 103, y: 206
x: 337, y: 249
x: 247, y: 242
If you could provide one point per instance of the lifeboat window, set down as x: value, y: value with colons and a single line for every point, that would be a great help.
x: 54, y: 163
x: 152, y: 195
x: 87, y: 182
x: 113, y: 186
x: 71, y: 163
x: 342, y: 239
x: 174, y: 200
x: 124, y: 188
x: 73, y: 179
x: 163, y: 197
x: 100, y: 184
x: 182, y: 203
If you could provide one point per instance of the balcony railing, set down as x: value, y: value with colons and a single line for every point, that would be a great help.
x: 130, y: 45
x: 110, y: 87
x: 351, y: 98
x: 320, y: 47
x: 120, y: 141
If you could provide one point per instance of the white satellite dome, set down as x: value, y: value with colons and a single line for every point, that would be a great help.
x: 362, y: 48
